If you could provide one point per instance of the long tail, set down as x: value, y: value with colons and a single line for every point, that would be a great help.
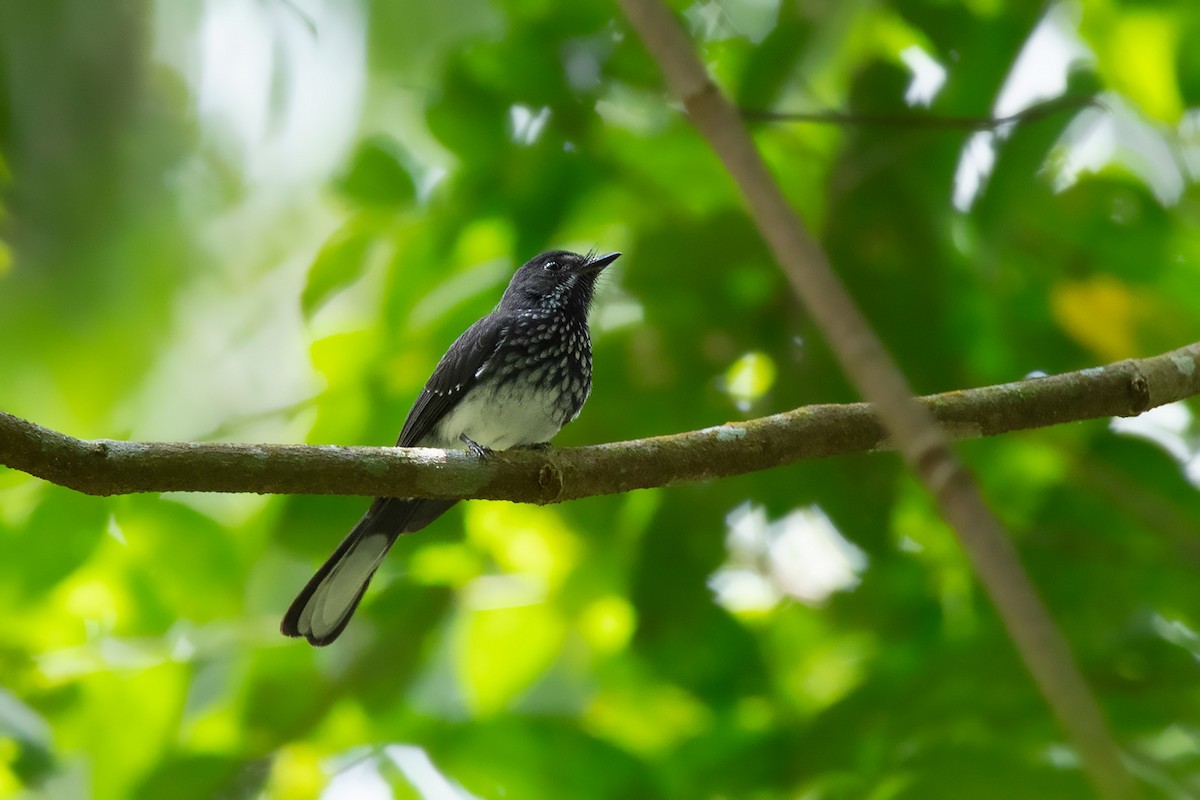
x: 326, y: 603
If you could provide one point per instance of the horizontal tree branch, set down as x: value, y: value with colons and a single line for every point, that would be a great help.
x: 1034, y: 113
x: 107, y: 467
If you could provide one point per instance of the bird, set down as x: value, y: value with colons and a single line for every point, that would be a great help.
x: 511, y: 380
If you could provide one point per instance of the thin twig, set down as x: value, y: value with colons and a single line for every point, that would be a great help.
x: 1034, y: 113
x: 867, y: 364
x: 107, y: 467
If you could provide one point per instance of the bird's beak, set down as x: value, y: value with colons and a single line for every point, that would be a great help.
x: 600, y: 262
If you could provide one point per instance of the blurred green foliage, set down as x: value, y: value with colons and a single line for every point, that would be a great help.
x: 266, y: 219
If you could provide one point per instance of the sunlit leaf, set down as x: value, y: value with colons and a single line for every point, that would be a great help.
x: 1100, y: 314
x: 495, y: 672
x: 341, y: 261
x: 1142, y: 46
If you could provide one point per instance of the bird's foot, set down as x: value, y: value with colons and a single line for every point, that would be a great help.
x: 475, y: 447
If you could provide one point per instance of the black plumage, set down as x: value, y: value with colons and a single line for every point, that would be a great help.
x: 512, y: 379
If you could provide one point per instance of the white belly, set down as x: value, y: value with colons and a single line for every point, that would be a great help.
x: 498, y: 419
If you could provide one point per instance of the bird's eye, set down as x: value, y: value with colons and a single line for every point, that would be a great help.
x: 552, y: 266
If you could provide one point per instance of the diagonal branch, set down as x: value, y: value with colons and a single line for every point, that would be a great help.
x: 867, y: 364
x: 105, y: 467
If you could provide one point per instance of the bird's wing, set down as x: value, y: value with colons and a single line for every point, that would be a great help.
x: 456, y: 373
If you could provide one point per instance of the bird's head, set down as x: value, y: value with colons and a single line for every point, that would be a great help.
x: 556, y: 280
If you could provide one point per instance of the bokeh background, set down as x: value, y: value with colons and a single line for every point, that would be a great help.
x: 264, y: 220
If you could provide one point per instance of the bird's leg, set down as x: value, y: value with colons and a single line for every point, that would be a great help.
x: 475, y: 447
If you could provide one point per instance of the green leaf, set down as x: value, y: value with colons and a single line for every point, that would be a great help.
x: 340, y: 261
x: 377, y: 176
